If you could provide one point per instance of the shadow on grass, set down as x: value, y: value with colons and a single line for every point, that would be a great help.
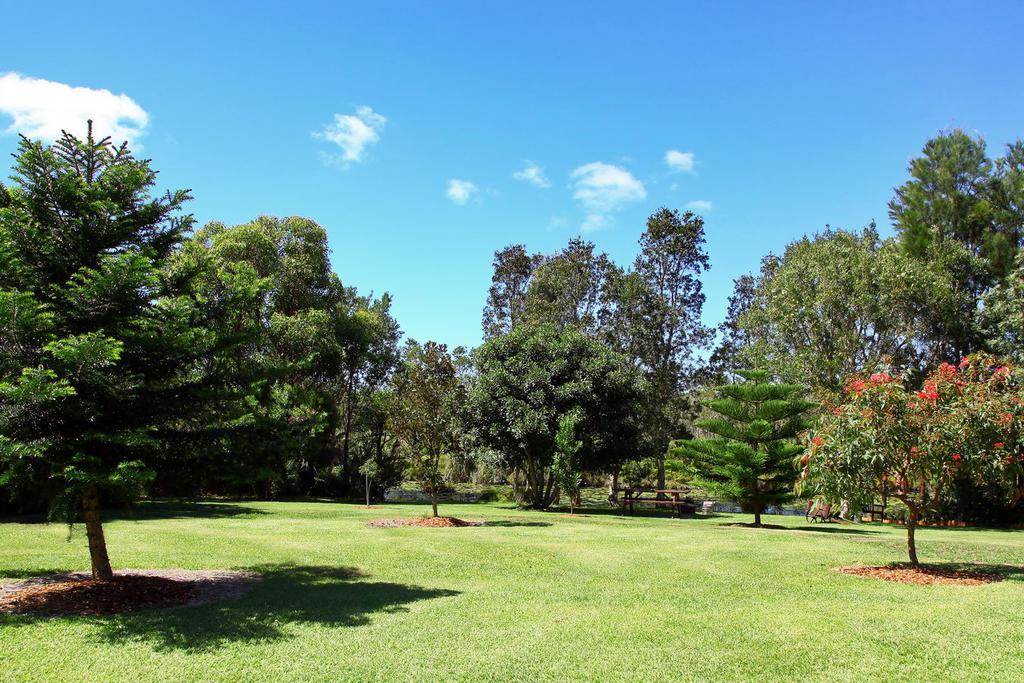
x: 514, y: 522
x: 750, y: 525
x: 837, y: 529
x: 19, y: 574
x: 181, y: 509
x: 288, y: 594
x: 165, y: 509
x: 1006, y: 572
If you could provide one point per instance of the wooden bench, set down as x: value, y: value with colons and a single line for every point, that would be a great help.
x: 657, y: 498
x: 818, y: 511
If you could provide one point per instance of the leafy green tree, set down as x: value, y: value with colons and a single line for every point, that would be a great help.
x: 506, y: 299
x: 837, y: 302
x: 531, y: 377
x: 655, y: 318
x: 749, y: 459
x: 96, y: 334
x: 734, y: 340
x: 293, y: 359
x: 565, y: 463
x: 427, y: 417
x: 319, y: 354
x: 567, y: 288
x: 1002, y: 315
x: 965, y: 212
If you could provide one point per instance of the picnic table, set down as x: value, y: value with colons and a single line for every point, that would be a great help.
x: 874, y: 511
x: 675, y: 499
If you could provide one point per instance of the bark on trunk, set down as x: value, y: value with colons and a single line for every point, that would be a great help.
x: 433, y: 500
x: 757, y: 517
x: 911, y: 545
x: 94, y: 532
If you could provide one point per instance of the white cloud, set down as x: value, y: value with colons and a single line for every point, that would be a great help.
x: 601, y: 189
x: 459, y: 191
x: 699, y: 205
x: 40, y: 109
x: 533, y: 174
x: 353, y: 133
x: 680, y: 161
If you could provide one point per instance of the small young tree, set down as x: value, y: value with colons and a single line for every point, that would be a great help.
x: 429, y: 400
x: 750, y: 458
x: 565, y: 463
x: 369, y: 470
x: 885, y: 439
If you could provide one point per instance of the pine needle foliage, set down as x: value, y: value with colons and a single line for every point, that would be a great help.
x: 749, y: 456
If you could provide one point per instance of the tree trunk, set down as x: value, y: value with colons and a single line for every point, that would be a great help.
x: 757, y: 516
x: 911, y: 545
x: 433, y: 500
x: 613, y: 485
x: 94, y: 532
x: 661, y: 474
x: 367, y: 490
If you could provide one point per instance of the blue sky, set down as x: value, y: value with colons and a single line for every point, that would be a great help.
x: 783, y: 117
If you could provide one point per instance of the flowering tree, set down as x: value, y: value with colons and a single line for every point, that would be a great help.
x: 884, y: 439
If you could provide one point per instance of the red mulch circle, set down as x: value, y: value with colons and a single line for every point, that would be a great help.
x: 924, y: 576
x: 92, y: 597
x: 424, y: 521
x: 129, y: 591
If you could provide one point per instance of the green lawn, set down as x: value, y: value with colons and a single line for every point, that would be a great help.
x: 543, y: 596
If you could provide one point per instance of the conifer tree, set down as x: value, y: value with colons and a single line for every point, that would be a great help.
x: 749, y: 458
x: 95, y: 333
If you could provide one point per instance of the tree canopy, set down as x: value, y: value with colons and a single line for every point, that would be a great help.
x: 529, y: 379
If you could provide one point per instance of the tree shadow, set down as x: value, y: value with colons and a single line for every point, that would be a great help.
x: 181, y: 509
x: 617, y: 512
x: 750, y: 525
x: 20, y: 574
x: 837, y: 529
x: 288, y: 594
x: 514, y: 523
x: 163, y: 509
x: 1005, y: 572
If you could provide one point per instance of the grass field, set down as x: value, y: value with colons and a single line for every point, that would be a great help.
x: 538, y: 596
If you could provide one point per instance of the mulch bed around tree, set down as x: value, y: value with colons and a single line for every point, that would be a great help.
x: 424, y: 521
x: 925, y: 576
x: 131, y: 590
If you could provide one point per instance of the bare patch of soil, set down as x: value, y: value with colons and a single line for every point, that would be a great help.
x: 924, y: 576
x: 130, y: 590
x: 424, y: 521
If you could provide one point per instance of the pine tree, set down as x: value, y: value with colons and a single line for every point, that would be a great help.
x: 749, y: 460
x: 96, y: 333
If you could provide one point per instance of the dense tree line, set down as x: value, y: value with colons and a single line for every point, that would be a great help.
x: 648, y: 315
x: 944, y: 286
x: 139, y: 353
